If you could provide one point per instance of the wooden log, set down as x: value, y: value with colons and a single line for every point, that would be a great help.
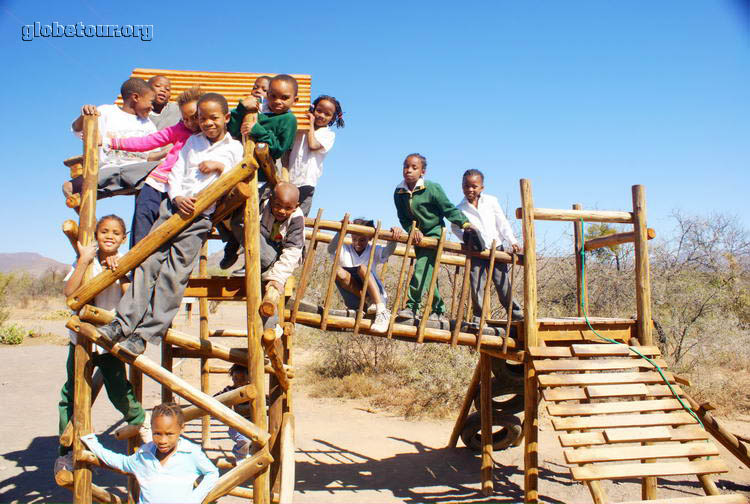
x: 366, y: 282
x: 96, y: 315
x: 229, y: 203
x: 486, y: 301
x: 64, y: 479
x: 97, y: 380
x: 73, y: 201
x: 229, y: 399
x: 245, y: 470
x: 162, y: 234
x: 127, y: 431
x: 615, y: 239
x: 203, y: 335
x: 70, y: 229
x: 76, y: 171
x: 552, y: 214
x: 167, y: 361
x: 720, y: 432
x: 307, y: 266
x: 581, y: 291
x: 206, y: 347
x: 717, y: 499
x: 471, y: 393
x: 462, y: 302
x: 620, y: 453
x: 509, y: 308
x: 627, y: 471
x: 72, y: 161
x: 455, y: 293
x: 485, y: 365
x: 177, y: 384
x: 90, y: 458
x: 332, y: 276
x: 286, y: 488
x: 269, y: 302
x: 228, y: 333
x: 431, y: 291
x: 400, y: 284
x: 275, y: 352
x: 266, y: 162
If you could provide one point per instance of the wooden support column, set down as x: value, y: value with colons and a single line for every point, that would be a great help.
x: 136, y: 379
x: 408, y: 281
x: 332, y: 277
x: 400, y: 284
x: 252, y: 466
x: 485, y: 413
x: 486, y: 298
x: 431, y: 291
x: 531, y: 338
x: 460, y: 312
x: 581, y: 291
x: 307, y: 266
x: 366, y: 281
x: 456, y: 292
x: 203, y: 333
x: 471, y: 392
x: 167, y: 360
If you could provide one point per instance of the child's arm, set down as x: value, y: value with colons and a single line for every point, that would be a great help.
x: 291, y: 253
x: 185, y: 206
x: 85, y: 110
x: 387, y: 251
x: 503, y: 227
x: 404, y: 217
x: 84, y: 260
x: 280, y: 139
x: 236, y: 115
x: 448, y: 209
x: 146, y: 143
x: 210, y: 476
x: 119, y: 461
x: 334, y: 243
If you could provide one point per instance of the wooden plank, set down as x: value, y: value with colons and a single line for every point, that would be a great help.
x: 635, y: 389
x: 702, y: 499
x: 546, y: 366
x: 571, y: 333
x: 632, y: 434
x: 602, y: 391
x: 608, y: 408
x: 678, y: 434
x: 629, y: 420
x: 549, y: 352
x: 626, y: 471
x: 620, y: 453
x: 610, y: 350
x: 561, y: 380
x: 615, y: 239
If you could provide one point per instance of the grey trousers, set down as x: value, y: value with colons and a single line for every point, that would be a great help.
x: 149, y: 305
x: 119, y: 178
x: 478, y: 277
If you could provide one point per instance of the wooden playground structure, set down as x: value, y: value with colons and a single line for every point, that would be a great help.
x: 619, y: 416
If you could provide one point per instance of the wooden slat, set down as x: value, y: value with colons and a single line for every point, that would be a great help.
x: 547, y: 366
x: 686, y: 433
x: 625, y: 471
x: 620, y: 453
x: 632, y: 434
x: 594, y: 321
x: 631, y: 420
x: 577, y: 333
x: 610, y: 349
x: 598, y: 391
x: 702, y: 499
x: 608, y: 408
x: 560, y: 380
x: 550, y: 352
x: 602, y: 391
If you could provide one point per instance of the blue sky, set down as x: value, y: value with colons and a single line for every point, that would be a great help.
x: 584, y: 98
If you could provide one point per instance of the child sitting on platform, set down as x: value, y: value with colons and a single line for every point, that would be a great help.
x: 154, y: 190
x: 242, y: 444
x: 166, y: 468
x: 110, y: 234
x: 276, y: 128
x: 425, y: 202
x: 147, y: 309
x: 351, y: 271
x: 310, y: 148
x: 484, y: 212
x: 119, y: 170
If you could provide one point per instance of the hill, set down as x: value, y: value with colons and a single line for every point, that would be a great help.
x: 30, y: 262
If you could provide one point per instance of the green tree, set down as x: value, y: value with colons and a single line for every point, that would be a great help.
x: 611, y: 253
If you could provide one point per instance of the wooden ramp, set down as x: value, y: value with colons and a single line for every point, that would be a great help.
x: 618, y: 419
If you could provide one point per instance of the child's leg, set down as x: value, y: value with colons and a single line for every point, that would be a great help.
x: 349, y: 286
x: 242, y: 444
x: 146, y: 212
x: 477, y: 278
x: 65, y: 406
x: 119, y: 389
x: 125, y: 177
x: 500, y: 278
x: 305, y: 198
x: 420, y: 281
x: 269, y: 252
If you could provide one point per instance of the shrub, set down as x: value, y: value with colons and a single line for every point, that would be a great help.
x: 12, y: 334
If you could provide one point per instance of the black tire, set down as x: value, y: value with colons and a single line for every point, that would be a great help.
x: 506, y: 397
x: 508, y: 372
x: 506, y: 430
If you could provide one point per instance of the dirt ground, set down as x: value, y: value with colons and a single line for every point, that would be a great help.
x: 345, y: 451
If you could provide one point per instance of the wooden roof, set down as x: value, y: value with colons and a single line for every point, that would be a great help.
x: 233, y: 85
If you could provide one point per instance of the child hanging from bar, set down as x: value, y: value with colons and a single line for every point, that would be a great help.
x: 148, y: 307
x: 119, y: 170
x: 154, y: 190
x: 485, y: 214
x: 276, y: 127
x: 242, y: 444
x: 110, y: 234
x: 351, y: 271
x: 425, y: 202
x: 311, y: 147
x: 166, y: 468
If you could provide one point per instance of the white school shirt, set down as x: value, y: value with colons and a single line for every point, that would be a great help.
x: 107, y: 299
x: 186, y: 180
x: 305, y: 165
x: 116, y: 123
x: 349, y: 257
x: 489, y: 219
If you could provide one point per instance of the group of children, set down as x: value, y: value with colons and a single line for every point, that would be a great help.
x: 168, y: 153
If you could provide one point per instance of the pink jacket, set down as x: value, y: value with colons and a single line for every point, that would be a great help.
x: 176, y: 135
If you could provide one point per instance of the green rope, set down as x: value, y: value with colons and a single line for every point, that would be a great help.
x: 632, y: 349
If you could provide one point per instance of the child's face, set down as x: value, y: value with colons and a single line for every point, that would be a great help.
x: 239, y: 378
x: 413, y: 170
x: 323, y: 113
x: 162, y: 89
x: 190, y: 116
x: 143, y: 103
x: 166, y: 433
x: 472, y: 187
x: 359, y: 242
x: 212, y: 120
x: 260, y: 87
x: 281, y: 96
x: 109, y: 236
x: 282, y: 208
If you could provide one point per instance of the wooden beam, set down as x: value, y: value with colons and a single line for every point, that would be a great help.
x: 203, y: 334
x: 431, y: 291
x: 332, y: 276
x: 65, y: 479
x: 400, y: 284
x: 615, y: 239
x: 486, y: 300
x: 485, y: 413
x: 267, y: 163
x: 471, y: 392
x: 234, y: 199
x: 245, y: 470
x: 460, y: 312
x: 229, y: 399
x: 581, y: 291
x: 306, y: 266
x: 663, y: 469
x: 275, y: 352
x: 552, y: 214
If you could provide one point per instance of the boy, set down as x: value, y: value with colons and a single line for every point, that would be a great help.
x: 276, y: 128
x: 425, y: 202
x: 119, y: 170
x: 148, y: 307
x: 165, y: 113
x: 485, y: 214
x: 242, y: 444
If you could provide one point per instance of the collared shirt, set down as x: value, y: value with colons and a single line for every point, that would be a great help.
x: 404, y: 187
x: 171, y: 483
x: 305, y: 165
x: 186, y: 180
x: 489, y: 219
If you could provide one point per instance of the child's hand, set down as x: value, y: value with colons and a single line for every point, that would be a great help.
x: 250, y: 103
x: 273, y: 284
x: 111, y: 263
x: 86, y: 253
x: 207, y: 167
x: 398, y: 233
x: 418, y: 235
x: 186, y: 206
x: 89, y: 110
x: 247, y: 124
x: 311, y: 118
x: 516, y: 248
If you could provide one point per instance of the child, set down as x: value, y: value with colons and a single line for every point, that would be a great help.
x: 167, y: 467
x: 425, y: 202
x: 484, y: 212
x: 242, y: 444
x: 119, y: 170
x: 351, y: 272
x: 275, y: 128
x: 164, y: 113
x: 110, y: 234
x: 154, y: 190
x: 260, y: 91
x: 147, y: 309
x: 310, y: 148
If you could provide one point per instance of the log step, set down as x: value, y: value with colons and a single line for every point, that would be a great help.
x: 705, y: 499
x: 603, y: 391
x: 547, y: 366
x: 629, y: 435
x: 611, y: 350
x: 634, y: 420
x: 620, y: 453
x: 604, y: 408
x: 626, y: 471
x: 562, y: 380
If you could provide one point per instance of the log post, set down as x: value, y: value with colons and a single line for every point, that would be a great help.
x: 485, y: 413
x: 269, y: 302
x: 167, y: 360
x: 248, y: 468
x: 400, y: 284
x: 509, y: 308
x: 455, y: 293
x: 231, y: 202
x: 307, y: 266
x: 431, y: 291
x: 134, y: 442
x: 332, y: 277
x: 230, y: 398
x: 65, y: 479
x: 203, y: 334
x: 581, y: 291
x: 266, y: 162
x: 462, y: 304
x: 486, y: 298
x: 275, y: 352
x: 531, y: 338
x: 70, y: 229
x: 66, y: 438
x: 366, y: 282
x: 471, y: 392
x: 615, y: 239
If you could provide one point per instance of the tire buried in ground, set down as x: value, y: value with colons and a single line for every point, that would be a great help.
x: 506, y: 430
x: 506, y: 397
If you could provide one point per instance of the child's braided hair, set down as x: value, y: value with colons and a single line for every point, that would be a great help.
x: 338, y: 116
x: 169, y: 409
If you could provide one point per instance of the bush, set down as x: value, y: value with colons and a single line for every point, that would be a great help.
x: 12, y: 334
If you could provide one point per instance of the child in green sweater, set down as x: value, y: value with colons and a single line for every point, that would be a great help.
x: 425, y: 202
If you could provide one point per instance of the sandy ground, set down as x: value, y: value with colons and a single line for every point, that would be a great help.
x: 345, y: 451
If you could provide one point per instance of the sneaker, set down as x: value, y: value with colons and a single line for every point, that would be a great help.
x: 438, y: 317
x: 133, y: 345
x: 239, y: 273
x: 111, y: 332
x: 372, y: 309
x: 382, y: 319
x: 406, y: 313
x: 144, y: 432
x: 230, y: 255
x: 64, y: 462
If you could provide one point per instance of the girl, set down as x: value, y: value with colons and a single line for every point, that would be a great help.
x: 154, y: 190
x: 110, y: 234
x: 311, y: 146
x: 242, y: 445
x: 167, y: 467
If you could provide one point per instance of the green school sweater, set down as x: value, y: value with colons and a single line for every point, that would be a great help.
x: 427, y: 205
